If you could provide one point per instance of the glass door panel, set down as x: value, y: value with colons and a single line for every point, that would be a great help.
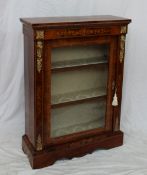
x: 78, y: 88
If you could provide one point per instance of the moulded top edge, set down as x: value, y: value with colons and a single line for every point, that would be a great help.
x: 105, y: 19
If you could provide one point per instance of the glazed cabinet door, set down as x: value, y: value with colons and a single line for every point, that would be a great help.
x: 81, y: 85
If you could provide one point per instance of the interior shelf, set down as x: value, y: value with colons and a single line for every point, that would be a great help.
x: 77, y: 117
x: 78, y: 95
x: 79, y: 62
x: 98, y: 123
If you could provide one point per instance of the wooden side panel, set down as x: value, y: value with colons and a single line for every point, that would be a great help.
x: 29, y: 85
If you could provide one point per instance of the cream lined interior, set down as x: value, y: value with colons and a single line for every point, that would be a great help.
x: 76, y: 84
x: 78, y: 55
x: 78, y: 117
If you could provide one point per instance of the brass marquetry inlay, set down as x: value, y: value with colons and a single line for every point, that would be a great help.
x: 83, y: 32
x: 39, y: 143
x: 40, y: 34
x: 39, y: 53
x: 123, y: 29
x: 122, y: 47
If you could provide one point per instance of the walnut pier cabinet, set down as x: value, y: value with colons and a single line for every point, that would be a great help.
x: 73, y: 69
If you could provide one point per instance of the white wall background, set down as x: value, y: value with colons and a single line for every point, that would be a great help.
x: 134, y: 102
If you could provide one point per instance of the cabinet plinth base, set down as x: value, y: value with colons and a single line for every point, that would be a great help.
x: 40, y: 159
